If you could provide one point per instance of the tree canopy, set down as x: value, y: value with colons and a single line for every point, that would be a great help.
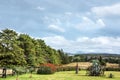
x: 24, y: 50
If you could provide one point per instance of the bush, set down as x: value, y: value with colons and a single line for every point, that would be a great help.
x: 112, y: 69
x: 96, y: 69
x: 31, y: 69
x: 46, y: 69
x: 19, y: 70
x: 111, y: 75
x: 67, y: 68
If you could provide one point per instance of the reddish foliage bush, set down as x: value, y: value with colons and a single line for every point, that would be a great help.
x: 46, y: 69
x: 52, y: 66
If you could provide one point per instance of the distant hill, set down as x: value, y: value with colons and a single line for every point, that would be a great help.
x: 97, y: 54
x: 100, y: 54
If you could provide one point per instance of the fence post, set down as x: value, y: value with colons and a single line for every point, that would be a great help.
x: 4, y: 73
x: 77, y: 68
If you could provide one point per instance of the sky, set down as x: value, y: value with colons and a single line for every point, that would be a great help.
x: 76, y: 26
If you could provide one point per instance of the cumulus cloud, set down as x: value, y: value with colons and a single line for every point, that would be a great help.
x: 107, y: 10
x: 88, y: 24
x: 55, y: 28
x: 57, y: 42
x: 85, y: 44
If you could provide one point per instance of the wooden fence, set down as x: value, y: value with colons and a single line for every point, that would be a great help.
x: 5, y: 72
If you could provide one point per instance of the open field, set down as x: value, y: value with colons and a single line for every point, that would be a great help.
x: 67, y: 75
x: 85, y: 65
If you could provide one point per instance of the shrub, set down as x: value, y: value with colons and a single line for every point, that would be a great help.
x: 96, y: 69
x: 112, y: 69
x: 111, y: 75
x: 67, y: 68
x: 31, y: 69
x: 46, y: 69
x: 52, y: 66
x: 19, y: 70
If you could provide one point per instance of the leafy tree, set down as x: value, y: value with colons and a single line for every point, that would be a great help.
x: 29, y: 50
x: 64, y: 57
x: 102, y: 62
x: 23, y: 50
x: 10, y: 53
x: 119, y: 62
x: 54, y: 57
x: 77, y: 59
x: 39, y: 51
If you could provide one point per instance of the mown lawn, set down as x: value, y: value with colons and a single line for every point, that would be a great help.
x: 67, y: 75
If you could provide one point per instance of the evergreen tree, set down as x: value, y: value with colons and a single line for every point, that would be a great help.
x: 96, y: 69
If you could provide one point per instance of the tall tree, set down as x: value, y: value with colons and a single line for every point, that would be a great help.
x: 24, y: 50
x: 64, y: 57
x: 39, y: 50
x: 54, y: 56
x: 10, y: 53
x: 26, y: 43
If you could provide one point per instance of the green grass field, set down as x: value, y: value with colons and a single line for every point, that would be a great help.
x: 67, y: 75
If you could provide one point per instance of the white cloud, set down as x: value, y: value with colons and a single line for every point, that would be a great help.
x: 88, y: 24
x: 40, y: 8
x: 57, y: 42
x: 100, y: 22
x: 107, y: 10
x: 54, y: 24
x: 55, y: 28
x: 85, y: 44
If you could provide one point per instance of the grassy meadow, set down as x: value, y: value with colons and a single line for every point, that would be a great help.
x: 65, y: 75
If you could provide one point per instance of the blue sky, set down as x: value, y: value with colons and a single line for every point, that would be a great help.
x: 73, y: 25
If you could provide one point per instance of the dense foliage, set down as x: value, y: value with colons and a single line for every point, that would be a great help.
x: 96, y: 69
x: 112, y: 69
x: 10, y: 52
x: 106, y: 58
x: 46, y: 69
x: 19, y: 70
x: 111, y: 75
x: 64, y: 57
x: 66, y: 68
x: 23, y: 50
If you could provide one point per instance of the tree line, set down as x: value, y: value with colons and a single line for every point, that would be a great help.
x: 23, y: 50
x: 108, y: 58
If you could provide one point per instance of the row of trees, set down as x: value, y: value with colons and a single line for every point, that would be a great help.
x: 23, y: 50
x: 89, y: 57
